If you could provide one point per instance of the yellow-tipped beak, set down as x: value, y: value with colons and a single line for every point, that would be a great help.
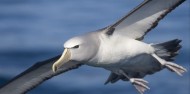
x: 65, y: 57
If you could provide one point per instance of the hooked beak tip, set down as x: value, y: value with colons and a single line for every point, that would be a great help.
x: 61, y: 61
x: 54, y: 68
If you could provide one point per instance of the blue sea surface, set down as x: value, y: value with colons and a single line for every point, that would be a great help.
x: 35, y: 30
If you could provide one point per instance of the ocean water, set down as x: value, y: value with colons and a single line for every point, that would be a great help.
x: 35, y: 30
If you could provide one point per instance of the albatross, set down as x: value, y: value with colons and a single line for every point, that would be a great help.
x: 117, y: 48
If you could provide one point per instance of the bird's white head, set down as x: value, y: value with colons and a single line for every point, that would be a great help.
x: 79, y: 49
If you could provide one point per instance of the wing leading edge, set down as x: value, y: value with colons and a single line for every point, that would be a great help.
x: 34, y: 76
x: 143, y: 18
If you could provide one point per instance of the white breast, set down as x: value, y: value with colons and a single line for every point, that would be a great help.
x: 115, y: 50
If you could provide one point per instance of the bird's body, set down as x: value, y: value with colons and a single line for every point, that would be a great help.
x: 120, y: 52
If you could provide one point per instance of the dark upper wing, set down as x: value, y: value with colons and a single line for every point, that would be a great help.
x: 143, y: 18
x: 34, y: 76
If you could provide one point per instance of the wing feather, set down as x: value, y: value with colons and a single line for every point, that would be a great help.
x: 143, y: 18
x: 34, y: 76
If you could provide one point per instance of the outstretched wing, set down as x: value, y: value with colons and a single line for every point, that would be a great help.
x: 34, y: 76
x: 143, y: 18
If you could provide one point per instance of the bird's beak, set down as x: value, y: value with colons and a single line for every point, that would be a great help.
x: 65, y: 57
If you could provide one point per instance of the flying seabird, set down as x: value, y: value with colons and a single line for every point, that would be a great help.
x: 117, y: 48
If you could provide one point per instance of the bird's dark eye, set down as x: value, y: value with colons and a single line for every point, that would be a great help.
x: 77, y: 46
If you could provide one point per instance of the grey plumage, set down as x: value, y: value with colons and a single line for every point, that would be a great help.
x: 32, y: 77
x: 116, y: 48
x: 135, y: 14
x: 168, y: 50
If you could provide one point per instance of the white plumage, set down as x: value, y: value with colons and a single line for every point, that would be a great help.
x: 117, y: 48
